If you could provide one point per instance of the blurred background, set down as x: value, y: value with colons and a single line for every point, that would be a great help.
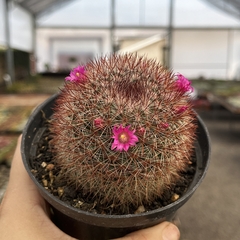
x: 40, y: 41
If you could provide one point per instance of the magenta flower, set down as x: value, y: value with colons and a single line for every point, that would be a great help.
x: 98, y: 122
x: 77, y: 74
x: 183, y: 84
x: 181, y: 109
x: 164, y: 125
x: 141, y: 130
x: 123, y: 138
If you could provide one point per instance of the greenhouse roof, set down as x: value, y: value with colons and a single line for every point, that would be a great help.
x: 37, y: 7
x: 230, y: 6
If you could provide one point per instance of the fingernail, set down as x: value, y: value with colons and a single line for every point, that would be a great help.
x: 171, y: 232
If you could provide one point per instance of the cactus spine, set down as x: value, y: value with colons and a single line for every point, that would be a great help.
x: 123, y: 130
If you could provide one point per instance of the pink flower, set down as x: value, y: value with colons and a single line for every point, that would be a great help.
x: 77, y: 74
x: 98, y: 122
x: 164, y: 125
x: 141, y: 130
x: 181, y: 109
x: 123, y: 138
x: 183, y: 84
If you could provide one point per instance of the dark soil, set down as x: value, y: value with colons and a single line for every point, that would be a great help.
x: 48, y: 175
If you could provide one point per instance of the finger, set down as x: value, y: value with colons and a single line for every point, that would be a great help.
x: 163, y: 231
x: 20, y: 185
x: 22, y: 211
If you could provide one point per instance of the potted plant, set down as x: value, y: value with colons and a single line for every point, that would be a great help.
x: 118, y: 149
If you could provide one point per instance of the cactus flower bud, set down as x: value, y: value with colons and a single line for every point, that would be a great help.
x: 183, y: 84
x: 77, y: 75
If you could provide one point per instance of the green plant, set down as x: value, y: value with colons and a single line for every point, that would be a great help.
x: 123, y: 129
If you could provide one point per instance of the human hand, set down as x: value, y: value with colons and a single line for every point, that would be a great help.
x: 23, y: 213
x: 162, y: 231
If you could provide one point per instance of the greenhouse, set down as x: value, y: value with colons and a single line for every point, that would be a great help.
x: 46, y: 43
x: 199, y: 38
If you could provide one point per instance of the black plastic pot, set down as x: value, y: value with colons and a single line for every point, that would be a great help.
x: 85, y: 225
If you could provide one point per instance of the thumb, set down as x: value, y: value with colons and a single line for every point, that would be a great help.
x: 162, y: 231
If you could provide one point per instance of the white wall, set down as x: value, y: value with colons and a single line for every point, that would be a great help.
x: 78, y: 13
x: 21, y: 28
x: 201, y: 53
x: 234, y: 55
x: 2, y: 24
x: 50, y: 42
x: 208, y: 53
x: 205, y: 40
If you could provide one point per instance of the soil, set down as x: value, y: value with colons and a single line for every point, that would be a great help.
x: 48, y: 175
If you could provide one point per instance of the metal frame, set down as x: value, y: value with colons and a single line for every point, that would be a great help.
x: 229, y: 6
x: 9, y: 50
x: 40, y: 7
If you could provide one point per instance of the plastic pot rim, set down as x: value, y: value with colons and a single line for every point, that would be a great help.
x: 106, y: 220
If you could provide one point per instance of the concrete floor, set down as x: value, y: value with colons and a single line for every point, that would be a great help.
x: 22, y: 99
x: 213, y: 212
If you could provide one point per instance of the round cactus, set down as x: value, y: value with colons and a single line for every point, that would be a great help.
x: 123, y: 129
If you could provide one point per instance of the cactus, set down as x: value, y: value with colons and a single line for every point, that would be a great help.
x: 123, y: 129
